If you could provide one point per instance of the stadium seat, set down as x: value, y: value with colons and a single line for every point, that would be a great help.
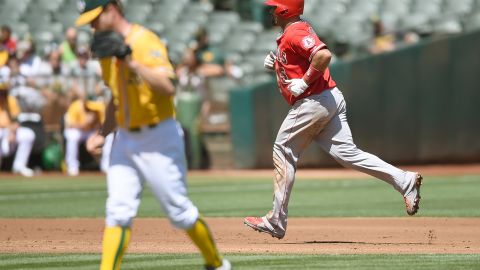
x: 191, y: 16
x: 69, y: 6
x: 390, y: 22
x: 198, y: 8
x: 176, y: 50
x: 227, y: 17
x: 20, y: 29
x: 38, y: 21
x: 353, y: 29
x: 17, y: 7
x: 252, y: 27
x: 472, y: 23
x: 66, y: 18
x: 311, y: 6
x: 44, y: 6
x: 419, y: 23
x: 264, y: 46
x: 240, y: 42
x: 366, y: 8
x: 458, y: 7
x: 136, y: 17
x: 431, y: 8
x: 217, y: 32
x: 172, y: 7
x: 167, y: 14
x: 397, y: 7
x: 83, y: 37
x: 448, y: 26
x: 253, y: 62
x: 45, y: 37
x: 322, y: 24
x: 157, y: 27
x: 218, y: 88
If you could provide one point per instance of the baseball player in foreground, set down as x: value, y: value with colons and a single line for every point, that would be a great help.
x: 148, y: 146
x: 318, y: 113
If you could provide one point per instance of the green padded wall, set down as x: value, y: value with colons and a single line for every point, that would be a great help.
x: 418, y: 104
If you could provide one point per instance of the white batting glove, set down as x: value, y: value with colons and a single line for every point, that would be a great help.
x: 269, y: 62
x: 297, y: 86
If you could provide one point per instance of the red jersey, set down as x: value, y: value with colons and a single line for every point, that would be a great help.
x: 296, y: 48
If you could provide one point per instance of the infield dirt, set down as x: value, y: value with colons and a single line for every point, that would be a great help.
x: 415, y: 235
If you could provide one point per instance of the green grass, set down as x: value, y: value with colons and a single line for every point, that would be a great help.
x: 250, y: 262
x: 85, y: 197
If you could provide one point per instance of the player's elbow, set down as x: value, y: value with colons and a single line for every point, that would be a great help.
x: 324, y: 56
x: 170, y: 89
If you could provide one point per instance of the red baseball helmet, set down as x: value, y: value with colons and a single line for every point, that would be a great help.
x: 287, y: 8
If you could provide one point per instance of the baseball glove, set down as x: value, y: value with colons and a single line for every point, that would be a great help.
x: 108, y: 44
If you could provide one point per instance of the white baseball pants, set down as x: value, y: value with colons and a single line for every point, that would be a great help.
x: 154, y: 156
x: 25, y: 137
x: 74, y: 137
x: 106, y: 150
x: 321, y: 118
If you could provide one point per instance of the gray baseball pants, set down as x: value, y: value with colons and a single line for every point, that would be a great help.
x: 321, y: 118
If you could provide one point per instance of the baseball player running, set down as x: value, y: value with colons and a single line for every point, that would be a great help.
x: 148, y: 145
x: 318, y: 113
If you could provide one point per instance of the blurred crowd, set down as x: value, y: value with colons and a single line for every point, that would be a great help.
x: 58, y: 96
x: 54, y: 98
x: 58, y: 93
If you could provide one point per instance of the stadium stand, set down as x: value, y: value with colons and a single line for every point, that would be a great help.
x: 348, y: 21
x: 241, y: 32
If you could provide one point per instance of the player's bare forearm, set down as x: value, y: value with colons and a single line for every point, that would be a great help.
x: 157, y: 78
x: 211, y: 70
x: 318, y: 65
x: 321, y: 60
x: 110, y: 124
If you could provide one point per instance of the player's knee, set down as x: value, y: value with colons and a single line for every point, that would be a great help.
x: 345, y: 151
x: 72, y: 134
x: 117, y: 219
x: 120, y: 214
x: 279, y: 150
x: 184, y: 219
x: 25, y: 135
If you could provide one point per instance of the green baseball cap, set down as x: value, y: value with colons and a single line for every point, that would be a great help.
x: 90, y: 10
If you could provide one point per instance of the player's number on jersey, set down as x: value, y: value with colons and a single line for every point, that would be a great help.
x: 282, y: 75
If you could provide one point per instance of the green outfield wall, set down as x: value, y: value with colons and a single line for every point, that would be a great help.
x: 419, y: 104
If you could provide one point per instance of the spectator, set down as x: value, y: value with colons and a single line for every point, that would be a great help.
x: 82, y: 119
x: 410, y: 37
x: 30, y: 100
x: 30, y: 63
x: 191, y: 80
x: 69, y: 47
x: 192, y: 85
x: 382, y: 42
x: 6, y: 39
x: 86, y: 75
x: 12, y: 135
x: 211, y: 61
x: 55, y: 86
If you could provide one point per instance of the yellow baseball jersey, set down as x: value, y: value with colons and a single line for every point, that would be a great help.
x: 5, y: 121
x: 77, y: 114
x: 137, y: 104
